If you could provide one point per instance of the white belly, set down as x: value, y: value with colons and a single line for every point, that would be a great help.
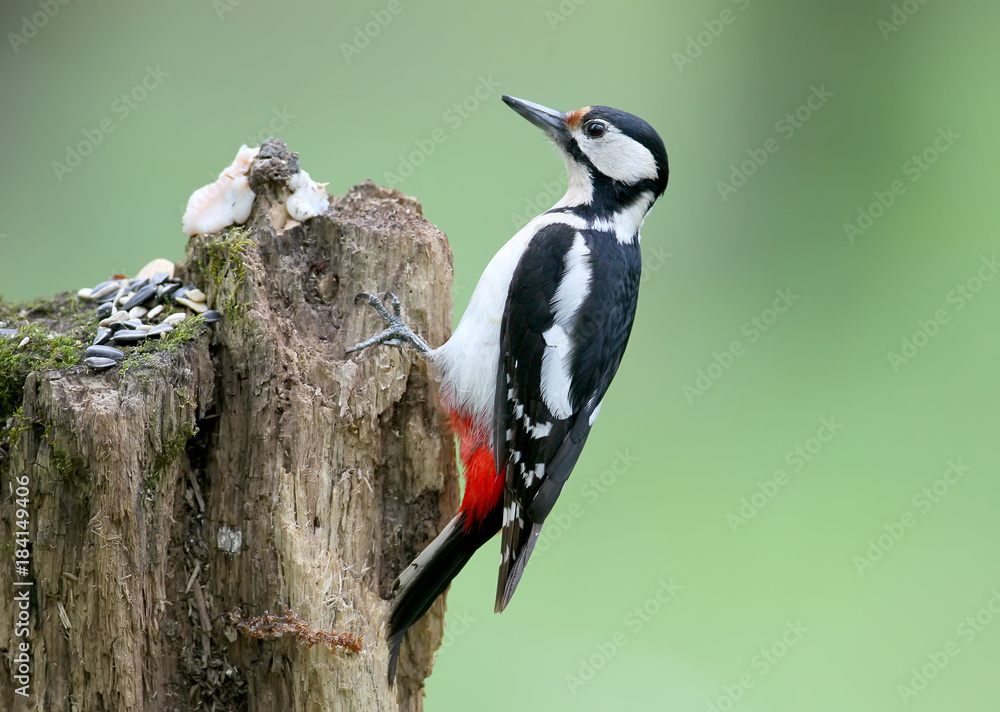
x: 467, y: 362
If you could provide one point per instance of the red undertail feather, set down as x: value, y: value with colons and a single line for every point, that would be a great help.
x: 483, y: 486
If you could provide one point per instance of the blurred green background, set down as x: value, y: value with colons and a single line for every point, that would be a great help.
x: 777, y: 603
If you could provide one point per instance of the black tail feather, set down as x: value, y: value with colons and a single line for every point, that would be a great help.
x: 518, y: 543
x: 427, y: 577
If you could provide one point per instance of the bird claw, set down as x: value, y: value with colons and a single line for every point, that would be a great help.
x: 397, y: 308
x: 396, y: 333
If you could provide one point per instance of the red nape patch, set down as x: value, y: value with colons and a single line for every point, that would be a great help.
x: 483, y: 486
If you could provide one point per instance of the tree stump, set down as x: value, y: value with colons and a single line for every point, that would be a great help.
x: 254, y: 468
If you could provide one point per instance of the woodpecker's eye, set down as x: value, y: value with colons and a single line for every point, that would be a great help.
x: 595, y: 129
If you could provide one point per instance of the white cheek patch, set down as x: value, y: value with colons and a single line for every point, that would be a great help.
x: 618, y: 156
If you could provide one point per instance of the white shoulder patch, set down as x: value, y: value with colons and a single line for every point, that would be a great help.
x: 557, y: 378
x: 574, y: 285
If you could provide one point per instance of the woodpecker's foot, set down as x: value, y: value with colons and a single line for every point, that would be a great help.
x: 396, y: 333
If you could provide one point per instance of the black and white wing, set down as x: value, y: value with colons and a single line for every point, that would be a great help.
x: 567, y: 320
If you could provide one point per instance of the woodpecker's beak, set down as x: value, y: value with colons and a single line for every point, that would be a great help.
x: 548, y: 120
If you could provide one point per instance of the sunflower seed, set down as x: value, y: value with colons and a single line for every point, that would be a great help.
x: 103, y: 336
x: 99, y: 364
x: 167, y: 289
x: 107, y: 290
x: 104, y: 352
x: 194, y: 306
x: 140, y: 297
x: 128, y: 336
x: 160, y: 330
x: 120, y: 294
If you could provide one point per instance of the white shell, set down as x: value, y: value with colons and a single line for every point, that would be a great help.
x: 225, y: 202
x: 158, y: 265
x: 308, y: 198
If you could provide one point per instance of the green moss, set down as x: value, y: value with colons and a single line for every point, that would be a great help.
x: 65, y: 309
x: 12, y: 428
x: 168, y: 455
x: 63, y: 463
x: 57, y: 330
x: 69, y: 470
x: 227, y: 255
x: 226, y: 265
x: 44, y: 351
x: 140, y: 358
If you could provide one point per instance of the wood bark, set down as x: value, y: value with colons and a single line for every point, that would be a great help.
x: 255, y: 468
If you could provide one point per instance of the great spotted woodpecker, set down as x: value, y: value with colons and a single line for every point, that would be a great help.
x: 524, y: 373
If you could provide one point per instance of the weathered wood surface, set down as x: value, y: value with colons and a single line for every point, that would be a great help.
x: 255, y: 468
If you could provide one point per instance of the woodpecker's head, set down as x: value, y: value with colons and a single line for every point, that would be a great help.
x: 614, y: 158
